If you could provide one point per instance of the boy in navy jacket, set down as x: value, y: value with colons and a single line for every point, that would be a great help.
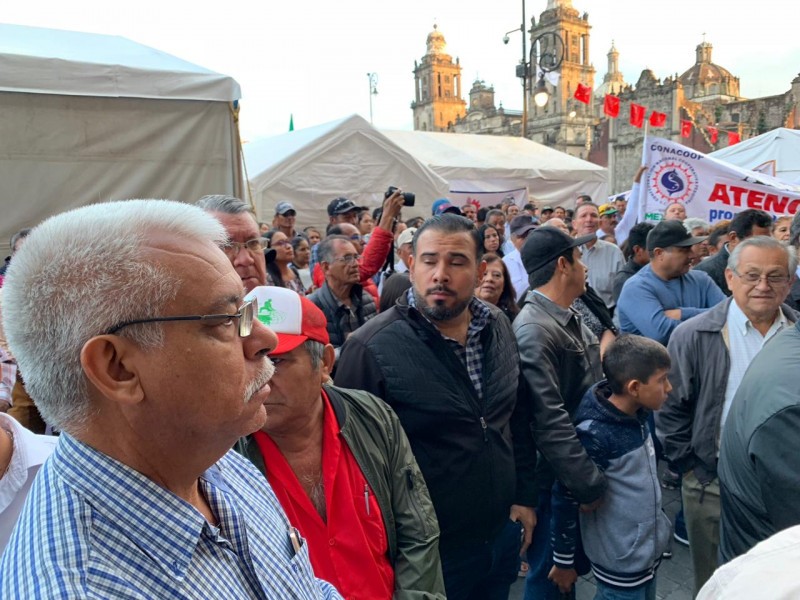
x: 626, y: 535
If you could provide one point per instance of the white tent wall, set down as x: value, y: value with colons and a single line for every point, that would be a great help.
x: 61, y: 152
x: 775, y: 153
x: 89, y: 118
x: 482, y: 163
x: 345, y: 158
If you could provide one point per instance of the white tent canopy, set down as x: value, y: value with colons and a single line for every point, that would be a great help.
x: 312, y: 166
x: 484, y: 163
x: 88, y: 118
x: 775, y: 153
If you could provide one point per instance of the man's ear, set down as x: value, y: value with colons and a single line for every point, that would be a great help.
x: 328, y: 358
x: 482, y: 266
x: 411, y: 262
x: 632, y: 387
x: 109, y: 364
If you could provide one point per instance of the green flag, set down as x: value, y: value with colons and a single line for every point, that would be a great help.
x: 291, y: 122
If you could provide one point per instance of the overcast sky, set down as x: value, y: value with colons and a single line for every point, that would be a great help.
x: 311, y: 58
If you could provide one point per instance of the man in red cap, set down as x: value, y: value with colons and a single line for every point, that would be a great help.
x: 341, y: 466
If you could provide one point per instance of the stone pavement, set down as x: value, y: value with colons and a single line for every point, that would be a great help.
x: 675, y: 576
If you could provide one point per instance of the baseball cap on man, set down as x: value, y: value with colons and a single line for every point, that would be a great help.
x: 669, y: 234
x: 443, y: 205
x: 284, y: 207
x: 606, y: 210
x: 293, y: 318
x: 341, y: 206
x: 406, y: 237
x: 522, y: 224
x: 545, y: 244
x: 547, y: 209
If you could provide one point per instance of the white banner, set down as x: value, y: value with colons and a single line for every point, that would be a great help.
x: 707, y: 187
x: 481, y: 199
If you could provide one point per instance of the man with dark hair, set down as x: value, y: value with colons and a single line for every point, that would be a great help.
x: 345, y: 303
x: 637, y: 256
x: 711, y: 353
x: 621, y: 204
x: 341, y: 466
x: 546, y: 214
x: 448, y: 365
x: 559, y: 361
x: 666, y: 292
x: 284, y: 219
x: 748, y: 223
x: 521, y: 226
x: 582, y: 199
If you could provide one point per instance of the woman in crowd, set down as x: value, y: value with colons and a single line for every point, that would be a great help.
x: 490, y: 240
x: 365, y: 224
x: 313, y: 235
x: 495, y: 287
x: 281, y: 272
x: 302, y: 258
x: 780, y: 230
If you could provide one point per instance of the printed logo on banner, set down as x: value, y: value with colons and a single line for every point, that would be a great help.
x: 673, y: 180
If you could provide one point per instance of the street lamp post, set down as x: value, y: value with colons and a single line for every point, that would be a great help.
x: 522, y: 69
x: 373, y: 91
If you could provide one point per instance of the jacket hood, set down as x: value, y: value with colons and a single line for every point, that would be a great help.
x: 596, y: 407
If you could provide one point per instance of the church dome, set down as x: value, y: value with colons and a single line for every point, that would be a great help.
x: 436, y: 43
x: 706, y: 78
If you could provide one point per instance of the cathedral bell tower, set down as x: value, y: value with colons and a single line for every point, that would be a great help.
x: 437, y: 87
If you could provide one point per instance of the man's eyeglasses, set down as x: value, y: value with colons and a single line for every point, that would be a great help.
x: 347, y: 259
x: 245, y: 316
x: 754, y: 278
x: 232, y: 249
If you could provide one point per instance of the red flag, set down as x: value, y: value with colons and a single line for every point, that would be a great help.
x: 714, y: 133
x: 657, y: 119
x: 733, y: 138
x: 611, y: 106
x: 583, y: 93
x: 686, y: 128
x: 637, y: 114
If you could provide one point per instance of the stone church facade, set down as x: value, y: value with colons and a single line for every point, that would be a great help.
x: 706, y: 94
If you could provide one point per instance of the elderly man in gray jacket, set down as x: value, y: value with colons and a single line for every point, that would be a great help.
x: 710, y: 354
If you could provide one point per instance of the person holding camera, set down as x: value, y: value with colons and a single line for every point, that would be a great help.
x: 374, y: 254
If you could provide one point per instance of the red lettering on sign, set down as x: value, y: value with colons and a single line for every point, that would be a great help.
x: 774, y: 204
x: 719, y: 194
x: 755, y: 199
x: 793, y: 207
x: 737, y: 194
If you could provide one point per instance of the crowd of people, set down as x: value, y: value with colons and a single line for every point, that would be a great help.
x: 196, y: 404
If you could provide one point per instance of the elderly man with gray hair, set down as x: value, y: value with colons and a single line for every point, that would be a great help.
x: 130, y: 325
x: 245, y: 248
x: 710, y: 354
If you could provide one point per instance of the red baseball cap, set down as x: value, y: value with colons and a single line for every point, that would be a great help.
x: 294, y: 318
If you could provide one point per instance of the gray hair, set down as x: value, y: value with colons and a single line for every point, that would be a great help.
x: 79, y: 274
x: 315, y: 350
x: 228, y: 205
x: 325, y: 249
x: 794, y: 230
x: 768, y: 243
x: 693, y: 223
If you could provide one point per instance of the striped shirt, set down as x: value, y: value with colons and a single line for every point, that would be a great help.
x: 95, y: 528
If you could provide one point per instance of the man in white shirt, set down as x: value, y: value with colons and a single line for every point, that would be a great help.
x: 22, y: 452
x: 710, y: 354
x: 602, y: 258
x: 520, y: 227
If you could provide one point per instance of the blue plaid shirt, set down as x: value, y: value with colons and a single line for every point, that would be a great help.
x: 95, y: 528
x: 471, y: 355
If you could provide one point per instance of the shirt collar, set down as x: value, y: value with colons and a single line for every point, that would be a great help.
x: 559, y: 313
x: 479, y: 312
x: 163, y: 525
x: 737, y: 319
